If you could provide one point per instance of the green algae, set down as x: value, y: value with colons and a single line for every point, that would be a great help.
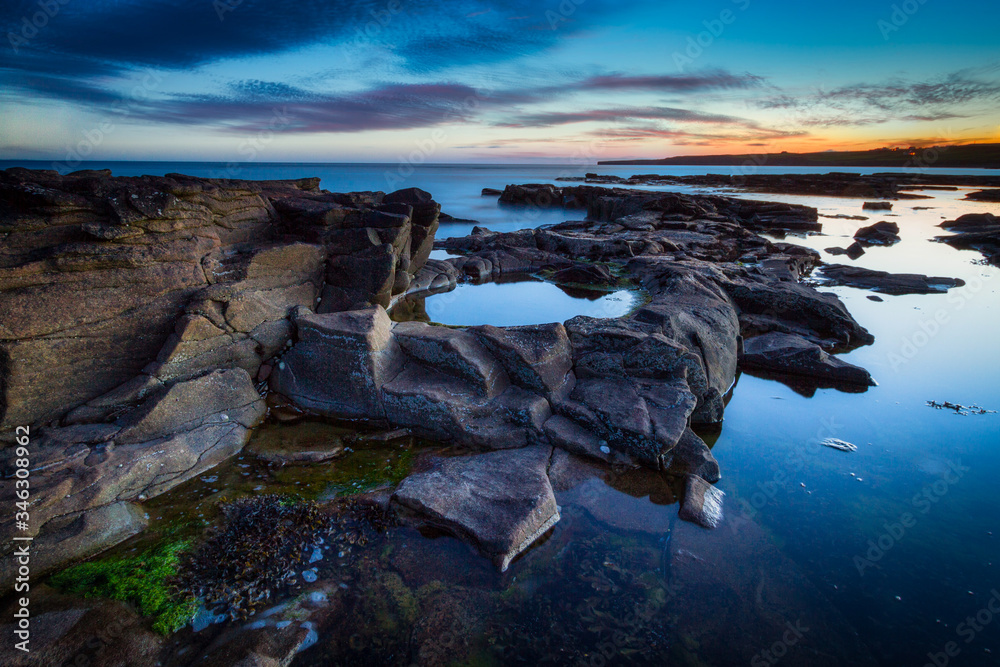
x: 142, y: 580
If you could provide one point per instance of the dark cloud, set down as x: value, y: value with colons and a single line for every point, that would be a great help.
x: 186, y: 33
x: 670, y: 83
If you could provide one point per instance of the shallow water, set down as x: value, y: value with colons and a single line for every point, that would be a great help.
x: 799, y: 517
x: 522, y: 302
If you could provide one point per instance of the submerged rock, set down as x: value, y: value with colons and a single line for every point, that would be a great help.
x: 500, y: 502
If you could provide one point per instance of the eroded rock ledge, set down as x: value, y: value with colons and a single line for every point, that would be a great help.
x: 149, y: 316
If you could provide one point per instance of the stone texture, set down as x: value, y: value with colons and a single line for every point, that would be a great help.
x: 500, y: 502
x: 888, y: 283
x: 793, y: 355
x: 340, y: 362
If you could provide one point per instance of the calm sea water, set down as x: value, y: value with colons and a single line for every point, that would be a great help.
x: 812, y: 535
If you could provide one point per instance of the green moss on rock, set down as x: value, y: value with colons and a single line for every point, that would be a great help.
x: 141, y: 580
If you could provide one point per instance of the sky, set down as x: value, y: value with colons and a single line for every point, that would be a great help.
x: 481, y: 82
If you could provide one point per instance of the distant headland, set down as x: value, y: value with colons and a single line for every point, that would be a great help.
x: 965, y: 156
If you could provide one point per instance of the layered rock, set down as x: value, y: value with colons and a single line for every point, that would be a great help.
x: 106, y: 279
x: 138, y: 313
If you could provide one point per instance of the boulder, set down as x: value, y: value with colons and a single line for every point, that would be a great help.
x: 339, y: 364
x: 877, y: 206
x: 500, y: 502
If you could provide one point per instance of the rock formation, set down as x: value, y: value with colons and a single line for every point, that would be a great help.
x: 147, y: 318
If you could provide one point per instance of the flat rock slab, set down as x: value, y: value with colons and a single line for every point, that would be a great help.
x: 793, y: 355
x: 888, y: 283
x: 500, y: 502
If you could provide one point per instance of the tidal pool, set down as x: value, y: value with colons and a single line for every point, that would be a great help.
x: 517, y: 303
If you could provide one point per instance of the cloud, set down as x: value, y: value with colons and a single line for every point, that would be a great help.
x: 670, y: 83
x: 177, y: 34
x: 551, y: 118
x: 861, y: 104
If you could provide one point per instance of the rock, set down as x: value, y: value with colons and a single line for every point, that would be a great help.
x: 176, y: 433
x: 571, y: 437
x: 500, y: 502
x: 584, y: 274
x: 793, y: 355
x: 877, y: 206
x: 702, y: 503
x: 66, y: 630
x: 855, y: 250
x: 457, y: 353
x: 76, y: 536
x: 691, y: 456
x: 888, y: 283
x: 340, y: 363
x: 537, y: 357
x: 492, y: 192
x: 984, y: 195
x: 979, y: 231
x: 881, y: 233
x: 104, y: 278
x: 972, y: 222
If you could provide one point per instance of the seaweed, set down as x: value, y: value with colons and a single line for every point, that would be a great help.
x: 143, y: 580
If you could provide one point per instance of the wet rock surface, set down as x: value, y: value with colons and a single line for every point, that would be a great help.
x: 150, y: 314
x: 500, y: 502
x: 976, y: 231
x: 881, y: 233
x: 888, y: 185
x: 888, y: 283
x: 787, y: 354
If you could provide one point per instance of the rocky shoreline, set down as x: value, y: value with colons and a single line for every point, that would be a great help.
x: 883, y: 185
x: 158, y: 321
